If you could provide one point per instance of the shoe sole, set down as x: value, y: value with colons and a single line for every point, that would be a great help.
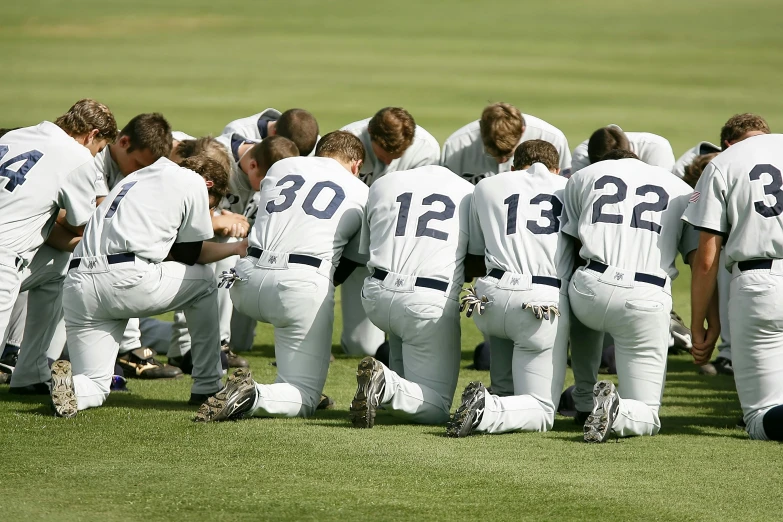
x: 461, y: 423
x: 63, y: 395
x: 217, y: 404
x: 599, y: 422
x: 362, y: 410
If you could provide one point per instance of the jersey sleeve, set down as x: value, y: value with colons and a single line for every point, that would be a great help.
x: 451, y: 157
x: 476, y: 244
x: 77, y: 194
x: 565, y: 159
x: 573, y: 207
x: 689, y: 241
x: 197, y: 222
x: 364, y: 241
x: 662, y: 156
x: 707, y: 207
x: 580, y: 159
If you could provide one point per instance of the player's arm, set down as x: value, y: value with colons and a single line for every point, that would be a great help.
x: 344, y: 269
x: 705, y: 263
x: 63, y: 222
x: 230, y: 224
x: 474, y: 267
x: 211, y: 252
x: 62, y: 238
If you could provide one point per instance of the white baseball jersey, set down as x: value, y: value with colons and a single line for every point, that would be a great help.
x: 148, y: 212
x: 310, y: 206
x: 181, y: 136
x: 423, y: 151
x: 627, y: 214
x: 516, y: 223
x: 239, y: 190
x: 464, y: 154
x: 108, y: 172
x: 740, y: 194
x: 253, y: 127
x: 417, y: 223
x: 703, y: 147
x: 42, y: 170
x: 650, y: 148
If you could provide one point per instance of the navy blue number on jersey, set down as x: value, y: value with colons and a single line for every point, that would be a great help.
x: 289, y: 194
x: 637, y: 221
x: 771, y: 189
x: 422, y: 225
x: 551, y: 215
x: 17, y: 177
x: 118, y: 198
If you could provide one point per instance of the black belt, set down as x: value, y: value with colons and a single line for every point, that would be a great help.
x: 638, y: 276
x: 536, y: 280
x: 424, y: 282
x: 755, y: 264
x: 112, y: 259
x: 299, y: 259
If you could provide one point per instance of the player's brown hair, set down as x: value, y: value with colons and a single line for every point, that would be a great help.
x: 210, y: 170
x: 501, y: 126
x: 697, y: 166
x: 536, y: 151
x: 740, y: 124
x: 604, y: 140
x: 300, y: 127
x: 149, y: 131
x: 340, y: 145
x: 618, y: 154
x: 272, y: 150
x: 86, y: 115
x: 392, y: 128
x: 208, y: 146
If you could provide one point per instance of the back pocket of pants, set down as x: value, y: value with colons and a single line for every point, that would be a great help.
x: 424, y: 311
x: 644, y: 306
x: 302, y: 287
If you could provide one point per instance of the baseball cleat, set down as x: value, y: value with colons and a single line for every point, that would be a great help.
x: 370, y: 387
x: 326, y: 403
x: 233, y: 360
x: 469, y: 414
x: 63, y: 394
x: 723, y: 366
x: 141, y: 363
x: 232, y: 402
x: 680, y: 334
x: 606, y: 404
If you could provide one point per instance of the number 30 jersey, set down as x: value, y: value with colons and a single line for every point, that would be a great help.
x: 627, y: 214
x: 417, y: 223
x: 311, y: 206
x: 516, y: 223
x: 740, y: 194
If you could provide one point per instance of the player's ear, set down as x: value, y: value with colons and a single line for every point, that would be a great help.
x: 356, y: 166
x: 557, y: 171
x: 210, y: 184
x: 124, y: 142
x: 91, y: 136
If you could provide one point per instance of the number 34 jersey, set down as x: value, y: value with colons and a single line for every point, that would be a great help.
x: 740, y: 194
x: 149, y: 211
x: 516, y: 223
x: 627, y: 214
x: 311, y: 206
x: 417, y: 223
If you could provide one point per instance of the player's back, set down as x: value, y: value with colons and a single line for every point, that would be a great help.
x: 418, y: 223
x: 311, y: 206
x: 627, y: 214
x: 253, y: 127
x: 147, y: 212
x: 240, y: 192
x: 42, y: 169
x: 516, y: 222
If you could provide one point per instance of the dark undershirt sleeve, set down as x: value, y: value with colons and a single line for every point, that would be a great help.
x: 186, y: 253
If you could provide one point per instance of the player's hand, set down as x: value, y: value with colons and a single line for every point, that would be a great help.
x: 704, y: 342
x: 237, y: 230
x: 229, y: 224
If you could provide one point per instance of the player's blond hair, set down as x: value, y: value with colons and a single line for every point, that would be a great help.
x: 392, y: 128
x: 272, y: 150
x: 340, y: 145
x: 739, y: 125
x: 300, y: 127
x: 87, y: 115
x: 694, y: 170
x: 536, y: 151
x: 208, y: 146
x: 210, y: 170
x: 501, y: 126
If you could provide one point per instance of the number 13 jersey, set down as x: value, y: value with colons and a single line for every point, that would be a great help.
x: 740, y: 195
x: 417, y: 223
x: 627, y: 214
x: 516, y: 223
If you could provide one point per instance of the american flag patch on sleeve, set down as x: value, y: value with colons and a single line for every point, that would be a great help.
x: 695, y: 196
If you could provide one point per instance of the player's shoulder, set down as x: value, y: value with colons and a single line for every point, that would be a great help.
x: 748, y: 149
x: 465, y: 135
x: 48, y: 138
x: 181, y: 136
x: 427, y: 177
x: 425, y: 138
x: 648, y: 138
x: 542, y: 126
x: 357, y: 127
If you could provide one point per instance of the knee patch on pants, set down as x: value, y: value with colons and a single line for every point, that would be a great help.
x: 773, y: 423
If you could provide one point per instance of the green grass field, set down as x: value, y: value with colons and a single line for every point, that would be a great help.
x: 677, y: 68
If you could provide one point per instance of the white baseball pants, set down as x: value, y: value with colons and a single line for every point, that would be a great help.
x: 360, y: 336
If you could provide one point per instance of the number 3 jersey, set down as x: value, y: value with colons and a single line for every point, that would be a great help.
x: 740, y: 195
x: 311, y: 206
x: 42, y: 170
x: 516, y: 223
x: 149, y: 211
x: 417, y: 223
x: 627, y: 214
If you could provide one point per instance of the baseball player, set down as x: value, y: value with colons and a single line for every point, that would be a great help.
x: 516, y: 224
x: 122, y: 270
x: 392, y: 142
x: 739, y: 200
x: 297, y: 125
x: 626, y: 215
x: 286, y: 280
x: 486, y: 146
x: 702, y: 148
x: 416, y: 238
x: 44, y: 170
x: 650, y: 148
